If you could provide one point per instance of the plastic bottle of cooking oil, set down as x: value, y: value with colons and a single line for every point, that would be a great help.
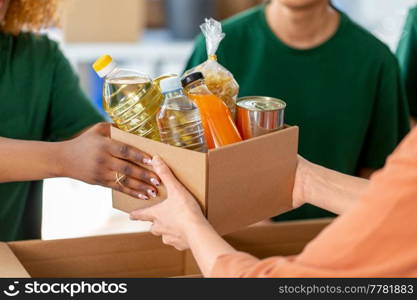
x: 219, y: 127
x: 179, y: 119
x: 130, y: 98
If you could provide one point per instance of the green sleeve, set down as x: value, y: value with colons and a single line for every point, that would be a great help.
x: 199, y: 54
x: 407, y: 56
x: 390, y: 121
x: 70, y: 110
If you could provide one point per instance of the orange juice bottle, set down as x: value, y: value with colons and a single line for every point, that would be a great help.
x: 219, y: 128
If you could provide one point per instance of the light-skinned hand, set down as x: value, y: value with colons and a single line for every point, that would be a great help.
x: 171, y: 217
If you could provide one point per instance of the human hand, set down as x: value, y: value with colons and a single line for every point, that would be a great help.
x: 95, y: 158
x: 176, y: 215
x: 300, y: 182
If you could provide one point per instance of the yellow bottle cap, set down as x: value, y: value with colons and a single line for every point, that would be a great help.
x: 102, y: 62
x: 212, y: 57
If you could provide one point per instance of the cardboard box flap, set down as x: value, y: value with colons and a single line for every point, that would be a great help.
x: 10, y: 266
x: 191, y: 163
x: 142, y: 254
x: 124, y: 255
x: 270, y: 157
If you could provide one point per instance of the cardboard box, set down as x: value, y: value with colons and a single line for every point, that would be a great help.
x: 141, y: 254
x: 236, y: 185
x: 103, y: 20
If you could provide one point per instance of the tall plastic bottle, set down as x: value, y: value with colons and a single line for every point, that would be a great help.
x: 130, y: 98
x: 179, y: 120
x: 219, y: 128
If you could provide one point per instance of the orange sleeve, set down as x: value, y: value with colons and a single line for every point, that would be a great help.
x: 233, y: 265
x: 374, y: 238
x: 244, y: 265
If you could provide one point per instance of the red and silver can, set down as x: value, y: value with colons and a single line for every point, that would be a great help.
x: 258, y: 115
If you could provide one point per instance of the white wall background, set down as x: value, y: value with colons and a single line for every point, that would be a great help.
x: 384, y: 18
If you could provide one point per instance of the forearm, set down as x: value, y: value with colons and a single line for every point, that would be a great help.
x: 366, y: 173
x: 326, y: 188
x: 28, y: 160
x: 206, y: 244
x: 316, y: 185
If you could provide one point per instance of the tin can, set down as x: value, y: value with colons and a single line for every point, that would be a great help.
x: 259, y: 115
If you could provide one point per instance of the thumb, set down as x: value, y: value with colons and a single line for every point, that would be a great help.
x: 103, y: 128
x: 163, y: 171
x: 144, y: 214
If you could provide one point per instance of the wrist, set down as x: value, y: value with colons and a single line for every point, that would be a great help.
x: 194, y: 224
x: 59, y: 164
x: 301, y: 182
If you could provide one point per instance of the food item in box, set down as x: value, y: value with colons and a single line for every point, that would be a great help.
x: 218, y: 79
x: 130, y: 98
x: 219, y: 128
x: 179, y: 120
x: 259, y: 115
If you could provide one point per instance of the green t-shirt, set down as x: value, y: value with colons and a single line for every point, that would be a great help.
x: 345, y: 94
x: 40, y: 100
x: 407, y: 55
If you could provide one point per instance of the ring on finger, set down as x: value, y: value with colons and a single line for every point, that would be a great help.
x: 119, y: 178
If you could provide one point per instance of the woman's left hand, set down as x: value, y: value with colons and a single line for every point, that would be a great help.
x: 172, y: 217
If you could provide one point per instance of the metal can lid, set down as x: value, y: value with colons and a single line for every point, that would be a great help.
x: 259, y: 103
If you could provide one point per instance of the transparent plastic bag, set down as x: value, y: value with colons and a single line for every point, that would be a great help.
x: 218, y: 79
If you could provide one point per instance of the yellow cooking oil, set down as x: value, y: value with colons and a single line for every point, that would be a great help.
x: 132, y: 103
x: 130, y: 98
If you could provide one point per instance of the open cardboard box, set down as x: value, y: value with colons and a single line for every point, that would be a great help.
x: 236, y: 185
x: 141, y: 254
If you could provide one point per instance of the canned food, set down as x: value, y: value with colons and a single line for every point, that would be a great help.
x: 259, y: 115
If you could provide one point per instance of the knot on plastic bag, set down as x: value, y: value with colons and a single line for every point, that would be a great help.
x: 212, y: 31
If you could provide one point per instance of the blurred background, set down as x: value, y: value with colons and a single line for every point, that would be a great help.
x: 154, y: 37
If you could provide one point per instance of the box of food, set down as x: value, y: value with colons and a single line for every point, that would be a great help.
x: 141, y: 254
x: 103, y: 20
x: 236, y: 185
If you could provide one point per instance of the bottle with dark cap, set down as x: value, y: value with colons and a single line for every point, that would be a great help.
x: 192, y: 78
x: 219, y: 128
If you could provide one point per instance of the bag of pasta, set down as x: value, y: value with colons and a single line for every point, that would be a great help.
x: 218, y: 79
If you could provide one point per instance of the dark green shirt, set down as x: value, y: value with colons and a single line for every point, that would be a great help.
x: 40, y: 100
x: 407, y: 55
x: 345, y: 94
